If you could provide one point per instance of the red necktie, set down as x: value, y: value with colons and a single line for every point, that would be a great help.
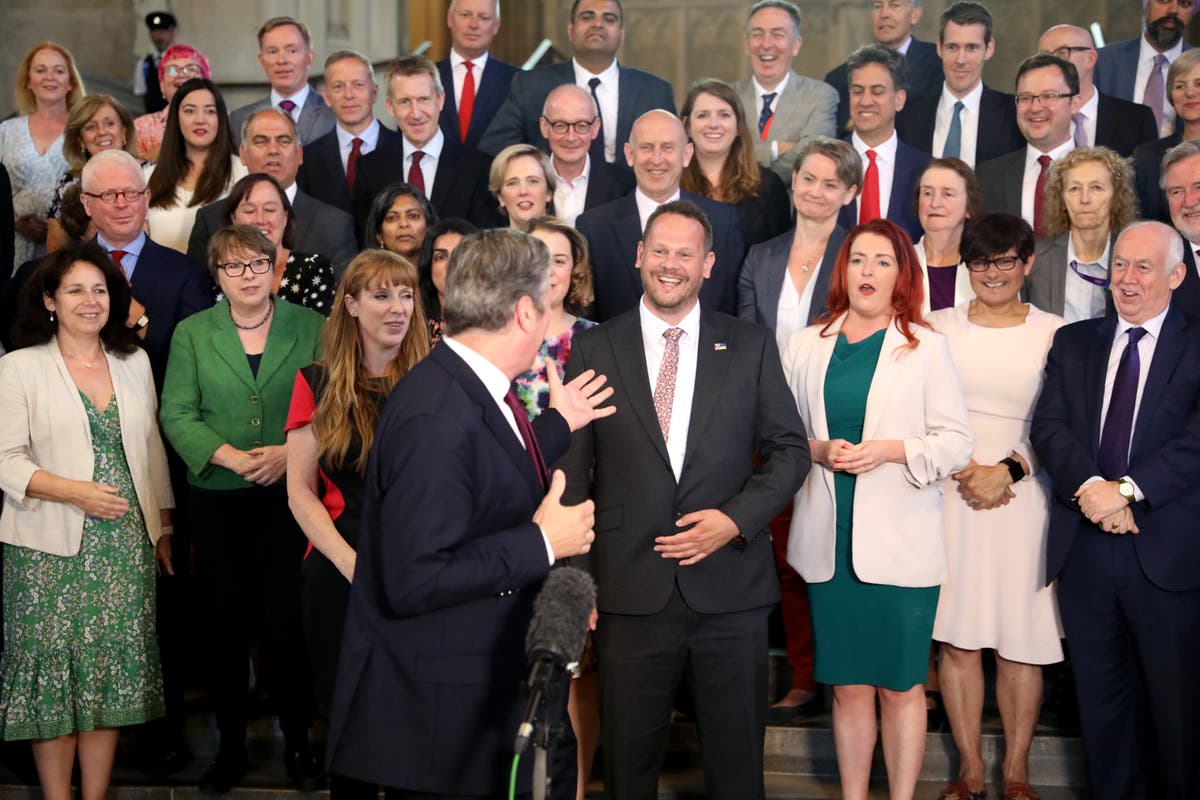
x: 415, y: 177
x: 352, y: 162
x: 467, y: 105
x: 530, y: 441
x: 868, y: 204
x: 117, y: 255
x: 1038, y: 191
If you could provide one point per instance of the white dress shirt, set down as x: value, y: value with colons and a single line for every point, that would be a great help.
x: 1090, y: 110
x: 608, y: 95
x: 460, y: 73
x: 885, y: 162
x: 299, y: 98
x: 791, y: 314
x: 497, y: 385
x: 756, y: 112
x: 655, y: 346
x: 968, y: 118
x: 647, y: 206
x: 370, y: 139
x: 1146, y: 55
x: 1032, y: 169
x: 428, y: 165
x: 1082, y: 299
x: 570, y: 196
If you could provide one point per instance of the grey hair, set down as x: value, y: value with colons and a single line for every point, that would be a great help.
x: 893, y: 61
x: 351, y: 55
x: 453, y: 3
x: 1174, y: 240
x: 244, y: 137
x: 1185, y: 149
x: 112, y: 157
x: 792, y: 10
x: 488, y: 274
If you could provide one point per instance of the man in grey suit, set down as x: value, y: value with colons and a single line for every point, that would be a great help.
x: 622, y: 94
x: 286, y: 55
x: 787, y: 107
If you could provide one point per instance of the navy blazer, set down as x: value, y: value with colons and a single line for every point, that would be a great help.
x: 1187, y: 297
x: 910, y: 163
x: 765, y: 270
x: 517, y: 120
x: 1002, y: 182
x: 613, y: 231
x: 1122, y: 125
x: 490, y: 90
x: 1147, y: 173
x: 1164, y: 455
x: 606, y: 183
x: 449, y: 560
x: 1116, y: 67
x: 997, y: 134
x: 322, y: 175
x: 924, y: 77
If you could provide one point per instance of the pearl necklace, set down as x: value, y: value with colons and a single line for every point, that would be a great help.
x: 255, y: 326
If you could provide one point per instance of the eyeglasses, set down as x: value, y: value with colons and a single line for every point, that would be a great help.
x: 1003, y: 263
x: 582, y: 127
x: 109, y: 197
x: 187, y: 71
x: 1046, y: 98
x: 1065, y: 51
x: 235, y: 269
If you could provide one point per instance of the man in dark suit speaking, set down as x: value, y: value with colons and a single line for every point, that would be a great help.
x: 1117, y: 428
x: 683, y: 557
x: 458, y: 532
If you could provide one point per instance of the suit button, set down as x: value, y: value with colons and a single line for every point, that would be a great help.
x: 253, y: 399
x: 256, y: 422
x: 256, y: 443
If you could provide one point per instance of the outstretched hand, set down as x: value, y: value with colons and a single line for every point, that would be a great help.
x: 579, y: 400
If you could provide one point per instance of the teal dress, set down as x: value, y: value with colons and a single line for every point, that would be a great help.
x: 863, y: 633
x: 80, y: 651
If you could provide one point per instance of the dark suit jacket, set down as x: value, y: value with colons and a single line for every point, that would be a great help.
x: 910, y: 163
x: 322, y: 175
x: 320, y: 229
x: 460, y: 184
x: 517, y: 120
x: 1122, y: 125
x: 765, y: 270
x: 606, y: 183
x: 768, y: 213
x: 924, y: 77
x: 613, y: 231
x: 490, y: 90
x: 1046, y: 285
x: 1187, y: 297
x: 1164, y: 456
x: 1147, y: 172
x: 316, y: 118
x: 742, y: 409
x: 8, y: 230
x: 1001, y: 180
x: 998, y: 132
x: 427, y: 697
x: 1116, y: 67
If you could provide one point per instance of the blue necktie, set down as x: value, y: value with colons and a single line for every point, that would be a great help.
x: 766, y: 114
x: 1113, y: 457
x: 954, y: 138
x: 596, y: 148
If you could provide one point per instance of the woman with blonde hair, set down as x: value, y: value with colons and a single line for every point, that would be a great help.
x: 1183, y: 91
x: 522, y: 180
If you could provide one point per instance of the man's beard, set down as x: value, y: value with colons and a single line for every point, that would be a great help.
x: 1165, y: 32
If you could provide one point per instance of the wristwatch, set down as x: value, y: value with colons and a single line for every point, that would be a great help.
x: 1126, y: 489
x: 1015, y: 470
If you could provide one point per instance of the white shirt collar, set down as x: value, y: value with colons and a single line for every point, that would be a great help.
x: 456, y: 61
x: 885, y: 152
x: 299, y: 98
x: 582, y: 176
x: 1091, y: 108
x: 646, y: 205
x: 970, y: 101
x: 432, y: 148
x: 370, y: 137
x: 609, y: 77
x: 492, y: 377
x: 903, y: 48
x: 290, y: 191
x: 759, y: 91
x: 1146, y: 52
x: 1032, y: 153
x: 1153, y: 325
x: 653, y: 326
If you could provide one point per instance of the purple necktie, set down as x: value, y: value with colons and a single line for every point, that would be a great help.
x: 1080, y: 130
x: 288, y: 106
x: 1155, y: 93
x: 1113, y: 458
x: 528, y: 438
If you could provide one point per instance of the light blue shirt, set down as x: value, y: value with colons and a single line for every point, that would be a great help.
x: 133, y: 251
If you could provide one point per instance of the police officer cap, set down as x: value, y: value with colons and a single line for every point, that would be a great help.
x: 160, y: 21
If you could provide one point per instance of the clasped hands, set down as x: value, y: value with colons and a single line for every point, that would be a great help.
x: 982, y: 487
x: 842, y: 456
x: 1102, y: 503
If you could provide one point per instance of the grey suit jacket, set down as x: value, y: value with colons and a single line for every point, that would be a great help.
x: 808, y: 107
x: 316, y: 118
x: 765, y: 269
x: 1046, y: 285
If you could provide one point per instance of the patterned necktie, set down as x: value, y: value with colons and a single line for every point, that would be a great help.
x: 764, y: 118
x: 1081, y: 139
x: 415, y: 176
x: 1155, y: 93
x: 868, y: 207
x: 352, y: 162
x: 1113, y: 458
x: 953, y: 147
x: 664, y: 387
x: 467, y: 104
x: 1038, y: 190
x: 521, y: 415
x: 596, y: 148
x: 288, y: 106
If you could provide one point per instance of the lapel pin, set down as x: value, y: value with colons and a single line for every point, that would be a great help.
x: 720, y: 346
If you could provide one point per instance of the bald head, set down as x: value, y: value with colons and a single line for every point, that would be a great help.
x: 658, y: 150
x: 1074, y: 44
x: 570, y: 123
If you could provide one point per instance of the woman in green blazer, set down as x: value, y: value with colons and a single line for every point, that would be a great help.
x: 225, y: 401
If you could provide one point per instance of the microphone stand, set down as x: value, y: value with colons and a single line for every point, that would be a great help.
x: 536, y: 728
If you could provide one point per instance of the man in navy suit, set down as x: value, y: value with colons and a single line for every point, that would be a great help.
x: 1117, y: 428
x: 892, y: 22
x: 596, y: 31
x: 1180, y: 183
x: 570, y: 123
x: 1131, y: 68
x: 331, y: 161
x: 454, y: 178
x: 458, y: 532
x: 986, y: 120
x: 478, y: 79
x: 658, y: 150
x: 891, y: 168
x: 286, y: 55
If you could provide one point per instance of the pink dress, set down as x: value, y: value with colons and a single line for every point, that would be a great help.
x: 148, y: 131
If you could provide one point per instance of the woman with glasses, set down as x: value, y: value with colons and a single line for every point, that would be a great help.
x: 224, y: 404
x: 179, y: 64
x: 1089, y: 199
x: 522, y: 180
x: 996, y: 511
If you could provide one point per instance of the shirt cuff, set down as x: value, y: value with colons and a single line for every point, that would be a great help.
x: 774, y: 149
x: 1137, y: 492
x: 546, y: 541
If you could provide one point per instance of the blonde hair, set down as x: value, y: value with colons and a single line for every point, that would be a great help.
x: 26, y: 102
x: 82, y: 113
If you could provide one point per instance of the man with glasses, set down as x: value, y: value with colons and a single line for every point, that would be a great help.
x: 570, y: 123
x: 1047, y: 98
x: 1102, y: 120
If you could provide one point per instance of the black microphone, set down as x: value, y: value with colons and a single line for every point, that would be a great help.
x: 555, y: 638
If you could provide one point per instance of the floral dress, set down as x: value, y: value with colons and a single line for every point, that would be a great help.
x: 532, y: 387
x: 34, y: 177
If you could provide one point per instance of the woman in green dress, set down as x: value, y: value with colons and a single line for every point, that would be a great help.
x: 87, y: 497
x: 888, y: 422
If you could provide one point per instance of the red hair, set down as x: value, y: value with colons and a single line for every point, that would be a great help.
x: 907, y: 294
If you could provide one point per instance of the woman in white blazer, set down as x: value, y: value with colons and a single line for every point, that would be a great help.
x: 86, y: 499
x: 888, y: 423
x: 948, y: 194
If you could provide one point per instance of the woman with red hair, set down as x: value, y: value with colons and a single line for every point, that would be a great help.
x: 178, y: 65
x: 888, y: 423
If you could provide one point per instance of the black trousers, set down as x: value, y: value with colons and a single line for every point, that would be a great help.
x: 722, y: 658
x: 248, y: 554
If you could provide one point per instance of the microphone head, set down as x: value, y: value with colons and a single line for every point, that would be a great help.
x: 560, y: 615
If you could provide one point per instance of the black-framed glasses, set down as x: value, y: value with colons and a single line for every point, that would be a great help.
x: 582, y: 127
x: 110, y: 196
x: 187, y: 71
x: 235, y: 269
x: 1066, y: 50
x: 1002, y: 263
x: 1046, y: 98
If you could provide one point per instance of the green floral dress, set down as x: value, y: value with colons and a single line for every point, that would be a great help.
x: 80, y: 651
